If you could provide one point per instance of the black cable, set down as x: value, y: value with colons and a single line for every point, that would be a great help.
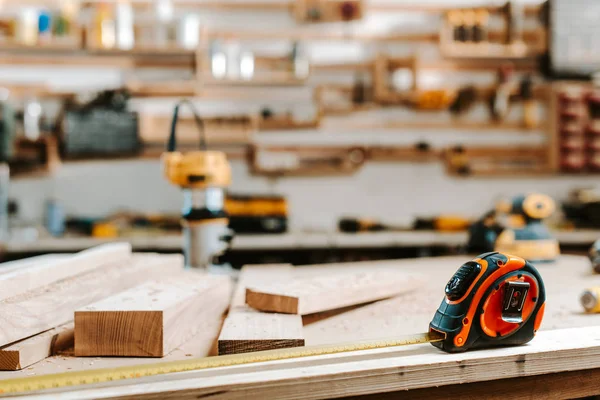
x: 172, y: 144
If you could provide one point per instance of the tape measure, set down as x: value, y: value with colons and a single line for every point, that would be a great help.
x: 70, y: 379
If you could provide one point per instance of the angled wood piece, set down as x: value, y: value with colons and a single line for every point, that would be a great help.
x: 50, y: 306
x: 26, y: 352
x: 152, y: 319
x: 321, y: 293
x: 246, y: 330
x: 17, y: 280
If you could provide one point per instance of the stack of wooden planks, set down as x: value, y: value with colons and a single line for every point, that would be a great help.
x: 108, y: 301
x: 41, y: 297
x: 272, y: 303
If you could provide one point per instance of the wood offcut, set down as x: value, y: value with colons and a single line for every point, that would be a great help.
x: 246, y: 330
x: 27, y: 352
x: 152, y: 319
x: 321, y: 293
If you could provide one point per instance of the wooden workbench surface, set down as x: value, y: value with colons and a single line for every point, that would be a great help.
x: 406, y: 314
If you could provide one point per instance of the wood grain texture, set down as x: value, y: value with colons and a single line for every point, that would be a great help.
x: 368, y: 372
x: 10, y: 266
x: 564, y: 385
x: 316, y: 294
x: 22, y: 280
x: 246, y: 330
x: 152, y: 319
x: 201, y: 345
x: 27, y: 352
x: 50, y: 306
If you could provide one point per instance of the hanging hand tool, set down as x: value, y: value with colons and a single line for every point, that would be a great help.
x: 493, y: 300
x: 531, y: 113
x: 514, y: 16
x: 202, y: 175
x: 500, y: 100
x: 464, y: 100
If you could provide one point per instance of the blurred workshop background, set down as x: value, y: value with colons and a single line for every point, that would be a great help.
x: 406, y: 120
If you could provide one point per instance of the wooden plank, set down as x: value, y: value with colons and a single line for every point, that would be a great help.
x: 311, y: 295
x: 10, y: 266
x: 27, y: 352
x: 22, y: 280
x: 246, y: 330
x: 204, y: 344
x: 367, y: 372
x: 152, y: 319
x: 50, y: 306
x: 563, y: 385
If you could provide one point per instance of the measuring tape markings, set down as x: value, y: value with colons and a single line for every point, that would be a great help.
x: 70, y: 379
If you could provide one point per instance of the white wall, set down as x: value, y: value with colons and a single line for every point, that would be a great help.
x: 394, y: 191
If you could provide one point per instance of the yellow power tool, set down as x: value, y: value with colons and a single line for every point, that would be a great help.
x: 203, y: 175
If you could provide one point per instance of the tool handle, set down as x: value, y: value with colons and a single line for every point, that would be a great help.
x: 172, y: 144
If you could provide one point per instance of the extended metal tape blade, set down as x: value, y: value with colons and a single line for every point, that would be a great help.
x: 68, y: 379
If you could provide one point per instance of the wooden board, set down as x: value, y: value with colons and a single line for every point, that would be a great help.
x: 374, y: 371
x: 29, y: 351
x: 152, y: 319
x: 562, y: 385
x: 246, y: 330
x: 311, y: 295
x: 10, y: 266
x: 22, y: 280
x: 53, y: 305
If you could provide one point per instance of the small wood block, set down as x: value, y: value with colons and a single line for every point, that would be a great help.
x: 152, y: 319
x: 316, y: 294
x: 26, y: 352
x: 248, y: 331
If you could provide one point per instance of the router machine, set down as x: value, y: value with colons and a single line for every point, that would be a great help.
x: 203, y: 175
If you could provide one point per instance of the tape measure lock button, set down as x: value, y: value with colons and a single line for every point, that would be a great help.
x: 460, y: 282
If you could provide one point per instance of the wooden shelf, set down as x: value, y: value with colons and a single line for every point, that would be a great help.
x: 424, y: 124
x: 82, y: 58
x: 528, y: 65
x: 285, y: 122
x: 530, y: 10
x: 188, y: 88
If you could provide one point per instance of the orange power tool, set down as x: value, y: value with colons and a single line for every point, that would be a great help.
x: 493, y: 300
